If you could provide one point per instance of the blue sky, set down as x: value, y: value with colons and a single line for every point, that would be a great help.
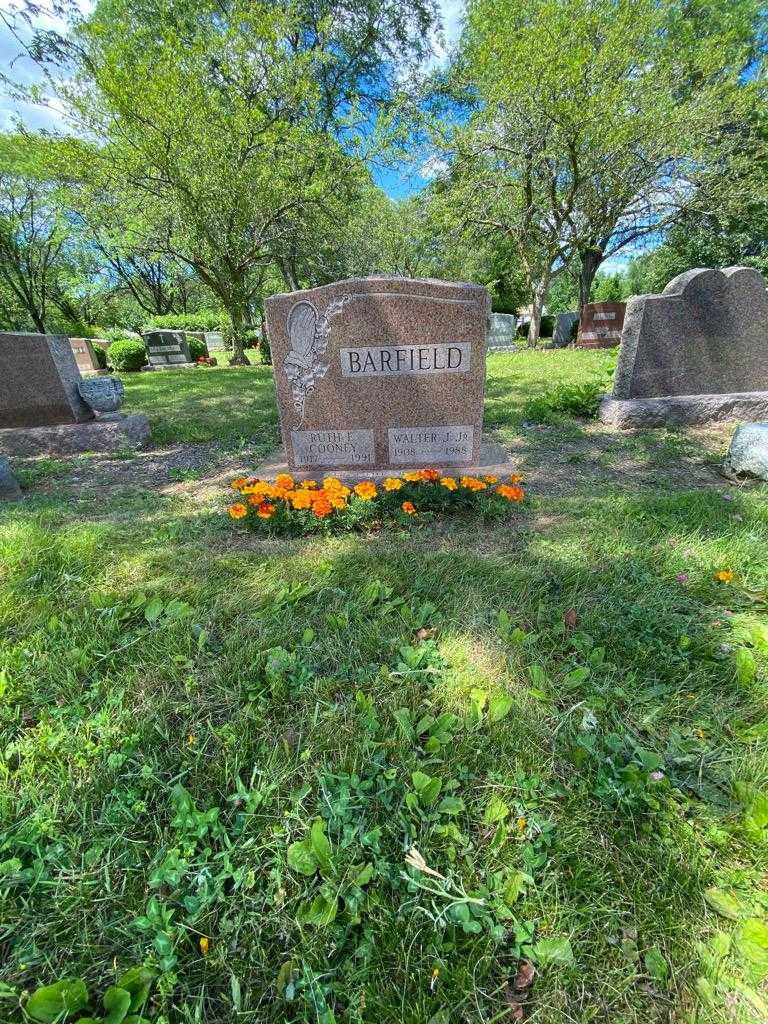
x: 398, y: 183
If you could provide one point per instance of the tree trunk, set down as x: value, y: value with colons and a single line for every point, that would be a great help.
x: 237, y: 316
x: 590, y: 262
x: 539, y: 293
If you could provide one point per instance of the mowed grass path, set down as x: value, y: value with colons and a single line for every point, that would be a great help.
x: 208, y: 737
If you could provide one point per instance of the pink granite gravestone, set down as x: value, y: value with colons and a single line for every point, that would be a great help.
x: 380, y: 373
x: 85, y: 357
x: 38, y: 381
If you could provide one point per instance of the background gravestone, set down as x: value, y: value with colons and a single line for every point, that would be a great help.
x: 601, y: 324
x: 502, y: 332
x: 214, y: 341
x: 380, y: 372
x: 38, y: 381
x: 9, y: 485
x: 167, y: 349
x: 565, y: 332
x: 85, y: 357
x: 707, y: 333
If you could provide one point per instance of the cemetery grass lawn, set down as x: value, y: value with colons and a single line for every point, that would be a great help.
x: 207, y: 735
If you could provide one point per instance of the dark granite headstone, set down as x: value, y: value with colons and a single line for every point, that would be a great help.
x: 706, y: 334
x: 565, y: 329
x: 38, y: 381
x: 167, y: 349
x: 502, y: 332
x: 9, y: 485
x: 600, y: 324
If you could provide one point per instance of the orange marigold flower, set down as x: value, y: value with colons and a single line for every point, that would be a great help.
x: 309, y: 485
x: 238, y: 482
x: 284, y: 481
x: 412, y: 476
x: 515, y: 478
x: 322, y: 508
x: 511, y: 492
x: 429, y: 474
x: 254, y: 499
x: 265, y: 511
x: 725, y: 576
x: 238, y: 510
x: 491, y: 479
x: 393, y: 483
x: 366, y: 490
x: 332, y: 483
x: 409, y: 508
x: 337, y: 501
x: 472, y: 483
x: 301, y: 500
x: 449, y: 483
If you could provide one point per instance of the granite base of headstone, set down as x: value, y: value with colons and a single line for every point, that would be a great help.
x: 600, y: 325
x: 502, y: 333
x: 9, y: 485
x: 565, y: 330
x: 697, y: 353
x: 380, y: 374
x: 106, y: 434
x: 748, y: 452
x: 167, y: 350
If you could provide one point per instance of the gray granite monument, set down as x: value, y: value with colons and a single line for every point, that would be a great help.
x: 502, y: 332
x: 167, y: 350
x: 9, y: 485
x: 697, y: 352
x: 565, y: 329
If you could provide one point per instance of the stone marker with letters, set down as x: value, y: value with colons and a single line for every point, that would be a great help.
x: 167, y: 350
x: 85, y: 356
x: 380, y: 373
x: 696, y: 353
x: 502, y: 332
x: 600, y: 324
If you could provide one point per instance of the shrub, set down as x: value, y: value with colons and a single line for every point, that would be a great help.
x: 197, y: 348
x: 101, y: 356
x: 572, y: 399
x: 546, y: 330
x: 128, y: 355
x: 119, y: 334
x: 203, y: 320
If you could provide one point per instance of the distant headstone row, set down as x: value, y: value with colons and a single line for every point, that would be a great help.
x: 168, y: 349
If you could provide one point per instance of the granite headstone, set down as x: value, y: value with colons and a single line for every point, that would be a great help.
x: 600, y: 324
x: 9, y: 485
x: 38, y: 381
x: 167, y: 349
x: 565, y: 329
x: 214, y: 341
x: 502, y: 332
x: 707, y: 333
x: 85, y: 357
x: 380, y: 372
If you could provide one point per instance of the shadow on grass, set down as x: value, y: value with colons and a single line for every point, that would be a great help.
x: 618, y: 665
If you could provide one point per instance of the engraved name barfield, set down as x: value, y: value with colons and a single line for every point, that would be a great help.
x: 405, y: 360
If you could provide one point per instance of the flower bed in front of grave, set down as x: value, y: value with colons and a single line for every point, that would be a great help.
x: 288, y: 506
